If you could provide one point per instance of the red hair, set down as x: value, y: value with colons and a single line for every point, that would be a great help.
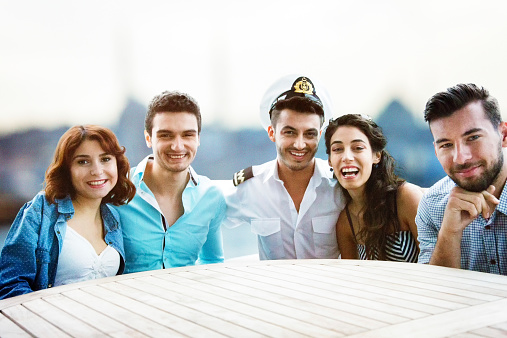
x: 57, y: 182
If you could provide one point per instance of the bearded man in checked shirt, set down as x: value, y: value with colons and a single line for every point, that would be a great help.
x: 462, y: 219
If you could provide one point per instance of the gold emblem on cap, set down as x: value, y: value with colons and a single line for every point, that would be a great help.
x: 303, y: 86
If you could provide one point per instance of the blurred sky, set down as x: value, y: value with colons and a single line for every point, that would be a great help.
x: 69, y: 62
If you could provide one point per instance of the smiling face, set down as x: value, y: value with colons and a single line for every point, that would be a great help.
x: 174, y: 139
x: 469, y: 147
x: 93, y: 171
x: 351, y: 157
x: 297, y: 138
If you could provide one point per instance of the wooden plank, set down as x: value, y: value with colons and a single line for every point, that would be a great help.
x: 310, y: 299
x: 472, y: 287
x: 32, y: 322
x: 8, y: 328
x: 490, y: 332
x: 356, y: 293
x: 258, y: 296
x: 265, y: 320
x: 123, y: 315
x: 385, y: 288
x: 108, y: 325
x: 61, y: 319
x: 238, y: 318
x: 173, y: 315
x: 295, y: 309
x: 285, y: 295
x: 443, y: 273
x: 432, y: 287
x: 447, y: 324
x: 184, y: 307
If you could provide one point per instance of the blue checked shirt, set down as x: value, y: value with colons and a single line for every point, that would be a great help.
x: 484, y: 243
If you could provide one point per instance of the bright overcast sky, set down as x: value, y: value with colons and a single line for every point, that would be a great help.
x: 67, y: 62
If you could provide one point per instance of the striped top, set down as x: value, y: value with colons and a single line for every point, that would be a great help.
x: 400, y: 246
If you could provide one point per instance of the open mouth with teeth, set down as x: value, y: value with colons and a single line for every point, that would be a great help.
x: 177, y: 157
x: 297, y: 154
x: 349, y: 172
x: 96, y: 183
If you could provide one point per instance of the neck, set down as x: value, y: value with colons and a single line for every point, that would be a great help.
x: 288, y: 176
x: 357, y: 200
x: 165, y: 182
x: 90, y: 207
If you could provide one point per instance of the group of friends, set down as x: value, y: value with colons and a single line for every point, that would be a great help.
x: 97, y: 217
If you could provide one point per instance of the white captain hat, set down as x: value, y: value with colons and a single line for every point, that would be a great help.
x: 294, y: 85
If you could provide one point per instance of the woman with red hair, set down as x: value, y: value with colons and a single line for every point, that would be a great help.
x: 69, y: 232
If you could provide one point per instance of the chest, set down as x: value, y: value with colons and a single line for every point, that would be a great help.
x: 172, y: 209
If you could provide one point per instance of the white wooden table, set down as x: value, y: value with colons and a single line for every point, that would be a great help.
x: 291, y: 298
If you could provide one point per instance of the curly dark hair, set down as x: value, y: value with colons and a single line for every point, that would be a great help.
x: 58, y: 182
x: 380, y: 214
x: 172, y: 102
x: 445, y: 103
x: 299, y: 104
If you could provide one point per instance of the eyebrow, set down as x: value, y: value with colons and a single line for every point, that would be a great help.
x: 466, y: 133
x: 88, y: 156
x: 353, y: 141
x: 305, y: 131
x: 167, y: 131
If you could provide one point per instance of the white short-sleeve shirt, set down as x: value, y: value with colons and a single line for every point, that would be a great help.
x: 263, y: 203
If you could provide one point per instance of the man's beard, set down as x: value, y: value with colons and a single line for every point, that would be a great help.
x: 483, y: 182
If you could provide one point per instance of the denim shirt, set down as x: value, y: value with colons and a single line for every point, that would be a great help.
x: 29, y: 257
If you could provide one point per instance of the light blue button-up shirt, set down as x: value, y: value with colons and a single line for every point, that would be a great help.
x: 195, y: 238
x: 484, y: 242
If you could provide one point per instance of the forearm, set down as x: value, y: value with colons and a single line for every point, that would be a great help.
x: 447, y: 250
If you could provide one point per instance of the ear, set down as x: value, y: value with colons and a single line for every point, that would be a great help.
x: 147, y: 138
x: 376, y: 157
x: 271, y: 133
x: 503, y: 133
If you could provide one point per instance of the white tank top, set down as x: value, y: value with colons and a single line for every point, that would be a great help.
x: 78, y: 260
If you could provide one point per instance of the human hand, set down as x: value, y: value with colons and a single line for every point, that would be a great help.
x: 464, y: 206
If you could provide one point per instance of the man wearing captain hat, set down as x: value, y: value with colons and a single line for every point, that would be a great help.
x: 290, y: 203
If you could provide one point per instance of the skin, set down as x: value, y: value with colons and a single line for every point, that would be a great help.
x: 296, y: 136
x: 467, y: 146
x: 94, y: 174
x: 351, y: 150
x: 174, y: 140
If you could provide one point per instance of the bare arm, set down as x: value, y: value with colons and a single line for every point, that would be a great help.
x: 408, y: 198
x: 345, y: 238
x: 462, y: 208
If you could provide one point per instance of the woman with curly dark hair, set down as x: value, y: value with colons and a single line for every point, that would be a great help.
x: 378, y: 221
x: 69, y: 232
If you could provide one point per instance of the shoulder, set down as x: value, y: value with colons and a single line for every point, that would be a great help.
x: 259, y: 171
x: 242, y: 176
x: 440, y: 189
x: 410, y: 191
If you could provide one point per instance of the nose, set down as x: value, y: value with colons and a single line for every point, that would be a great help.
x: 347, y: 155
x: 97, y: 169
x: 461, y: 154
x: 300, y: 143
x: 177, y: 144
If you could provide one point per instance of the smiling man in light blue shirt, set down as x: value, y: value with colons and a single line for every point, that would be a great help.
x: 174, y: 219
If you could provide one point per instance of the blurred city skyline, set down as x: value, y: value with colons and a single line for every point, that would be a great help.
x: 73, y: 62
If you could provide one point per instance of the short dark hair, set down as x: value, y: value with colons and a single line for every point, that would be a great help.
x: 58, y: 181
x: 445, y: 103
x: 298, y: 104
x: 172, y: 102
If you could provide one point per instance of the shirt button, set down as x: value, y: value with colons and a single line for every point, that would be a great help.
x: 492, y: 261
x: 487, y: 227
